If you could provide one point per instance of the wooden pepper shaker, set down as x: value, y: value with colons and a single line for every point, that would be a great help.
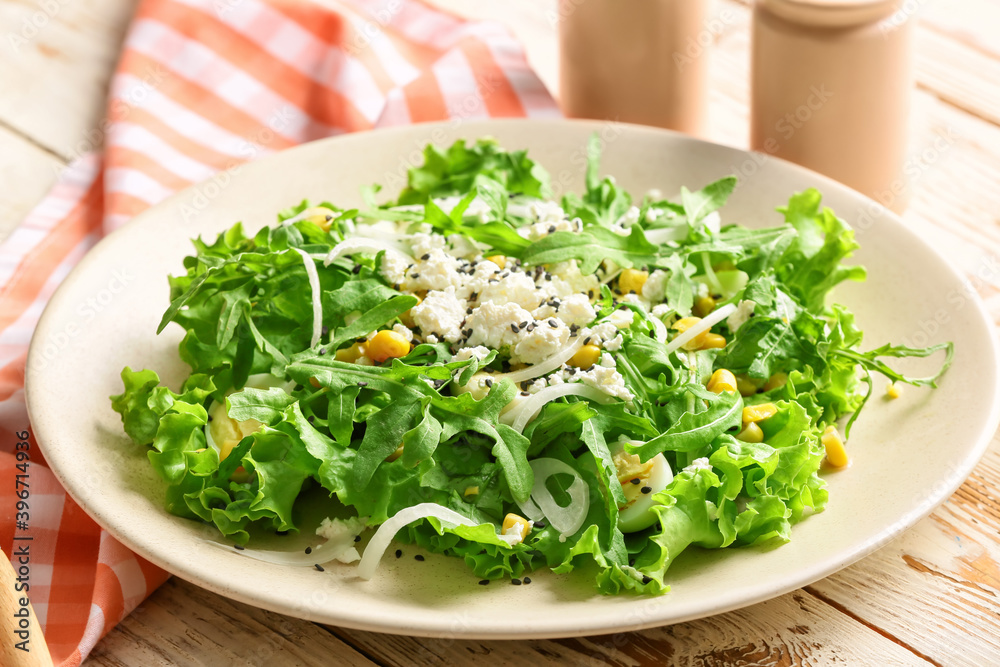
x: 635, y: 61
x: 830, y: 89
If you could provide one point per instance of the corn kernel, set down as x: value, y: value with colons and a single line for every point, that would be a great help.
x: 703, y: 305
x: 407, y: 317
x: 387, y: 344
x: 499, y: 260
x: 632, y: 280
x: 713, y: 342
x: 351, y: 354
x: 396, y: 454
x: 746, y: 385
x: 892, y: 391
x: 836, y: 454
x: 514, y: 524
x: 722, y: 380
x: 585, y: 357
x: 240, y: 475
x: 314, y: 383
x: 319, y: 215
x: 758, y: 413
x: 751, y: 433
x: 471, y: 491
x: 775, y: 381
x: 683, y: 325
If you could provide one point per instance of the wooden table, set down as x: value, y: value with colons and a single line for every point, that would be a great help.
x: 931, y: 596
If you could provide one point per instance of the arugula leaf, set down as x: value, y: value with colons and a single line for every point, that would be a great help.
x: 709, y: 199
x: 693, y: 430
x: 591, y: 248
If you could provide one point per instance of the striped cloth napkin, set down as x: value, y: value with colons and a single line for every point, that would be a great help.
x: 202, y: 86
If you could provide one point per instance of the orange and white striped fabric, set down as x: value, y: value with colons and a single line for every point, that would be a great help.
x: 202, y: 86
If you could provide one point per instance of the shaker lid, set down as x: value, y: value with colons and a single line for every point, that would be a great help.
x: 831, y: 13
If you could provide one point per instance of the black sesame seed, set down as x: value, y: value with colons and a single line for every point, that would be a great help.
x: 484, y: 582
x: 548, y: 276
x: 399, y: 553
x: 523, y: 324
x: 586, y: 341
x: 468, y: 311
x: 473, y: 296
x: 309, y: 550
x: 239, y: 547
x: 414, y: 275
x: 646, y: 489
x: 210, y: 418
x: 489, y: 382
x: 513, y: 327
x: 516, y: 582
x: 426, y: 256
x: 356, y: 270
x: 311, y: 418
x: 419, y: 558
x: 553, y: 324
x: 357, y: 538
x: 524, y: 393
x: 322, y: 351
x: 527, y: 580
x: 539, y: 525
x: 319, y: 568
x: 590, y: 293
x: 362, y: 383
x: 467, y: 332
x: 328, y: 218
x: 631, y: 562
x: 646, y: 579
x: 636, y: 481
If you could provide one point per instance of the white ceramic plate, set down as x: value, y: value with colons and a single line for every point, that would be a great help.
x: 907, y: 455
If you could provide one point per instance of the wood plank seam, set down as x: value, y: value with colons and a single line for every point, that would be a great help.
x: 868, y: 624
x: 34, y: 142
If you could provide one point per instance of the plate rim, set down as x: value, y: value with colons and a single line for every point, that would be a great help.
x: 816, y: 570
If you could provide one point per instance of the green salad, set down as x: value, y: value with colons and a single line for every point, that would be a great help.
x: 527, y: 384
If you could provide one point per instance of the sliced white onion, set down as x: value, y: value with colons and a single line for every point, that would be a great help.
x: 317, y: 305
x: 555, y: 361
x: 306, y: 213
x: 383, y: 536
x: 477, y: 384
x: 531, y: 406
x: 323, y: 553
x: 666, y: 234
x: 359, y: 244
x: 659, y: 328
x: 567, y: 520
x: 701, y: 327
